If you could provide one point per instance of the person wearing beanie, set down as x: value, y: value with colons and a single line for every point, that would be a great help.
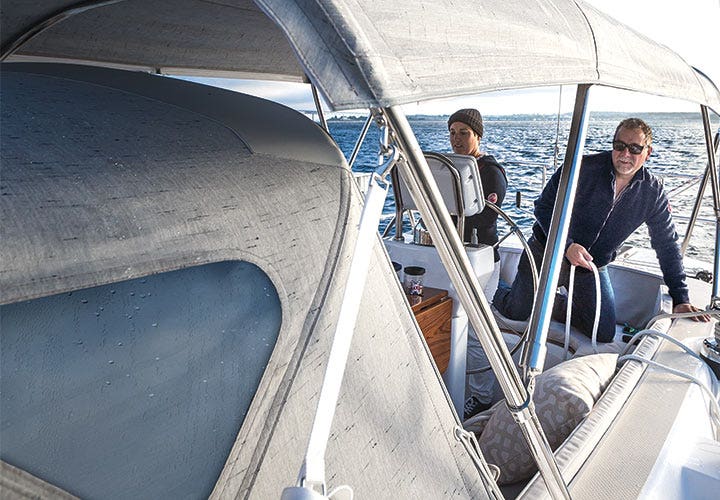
x: 466, y: 131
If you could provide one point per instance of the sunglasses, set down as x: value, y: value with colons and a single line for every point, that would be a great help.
x: 635, y: 149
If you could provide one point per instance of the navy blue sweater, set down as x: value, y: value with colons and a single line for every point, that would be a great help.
x: 601, y: 226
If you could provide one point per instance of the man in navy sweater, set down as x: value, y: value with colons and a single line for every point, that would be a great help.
x: 615, y: 195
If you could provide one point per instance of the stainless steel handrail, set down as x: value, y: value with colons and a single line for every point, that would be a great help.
x: 457, y: 189
x: 713, y: 173
x: 457, y: 193
x: 698, y: 200
x: 360, y: 140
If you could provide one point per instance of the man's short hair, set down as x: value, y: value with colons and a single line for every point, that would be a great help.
x: 634, y: 124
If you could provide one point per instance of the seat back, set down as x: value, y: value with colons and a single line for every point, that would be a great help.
x: 458, y: 180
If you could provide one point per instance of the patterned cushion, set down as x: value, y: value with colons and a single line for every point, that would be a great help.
x: 564, y: 395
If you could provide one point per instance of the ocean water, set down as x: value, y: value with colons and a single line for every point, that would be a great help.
x: 526, y: 144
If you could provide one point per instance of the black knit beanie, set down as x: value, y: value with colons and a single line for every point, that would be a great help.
x: 471, y: 117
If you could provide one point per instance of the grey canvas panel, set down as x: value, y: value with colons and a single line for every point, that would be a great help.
x: 262, y: 126
x: 75, y: 217
x: 393, y: 432
x: 117, y: 166
x: 403, y: 54
x: 181, y: 188
x: 136, y: 389
x: 232, y: 37
x: 366, y: 53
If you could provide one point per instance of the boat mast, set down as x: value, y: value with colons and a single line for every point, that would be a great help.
x: 427, y: 197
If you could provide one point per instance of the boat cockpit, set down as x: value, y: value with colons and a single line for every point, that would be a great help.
x: 196, y: 302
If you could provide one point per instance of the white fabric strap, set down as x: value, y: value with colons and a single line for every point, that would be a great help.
x: 568, y: 316
x: 313, y: 473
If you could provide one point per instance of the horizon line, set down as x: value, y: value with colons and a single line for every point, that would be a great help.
x: 334, y: 115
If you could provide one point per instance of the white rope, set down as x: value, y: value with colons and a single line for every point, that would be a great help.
x: 489, y: 473
x: 568, y: 316
x: 663, y: 335
x: 714, y: 407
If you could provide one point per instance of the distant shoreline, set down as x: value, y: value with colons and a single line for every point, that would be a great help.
x: 526, y: 116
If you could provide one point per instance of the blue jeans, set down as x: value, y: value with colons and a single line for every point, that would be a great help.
x: 517, y: 302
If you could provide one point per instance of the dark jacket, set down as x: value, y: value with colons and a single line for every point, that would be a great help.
x: 493, y: 180
x: 601, y: 226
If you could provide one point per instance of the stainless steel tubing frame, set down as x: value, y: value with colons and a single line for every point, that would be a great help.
x: 533, y: 357
x: 457, y: 189
x: 360, y: 140
x: 698, y: 200
x: 318, y: 107
x: 712, y: 167
x: 425, y: 192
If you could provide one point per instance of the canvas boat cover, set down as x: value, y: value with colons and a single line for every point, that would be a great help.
x: 112, y: 176
x: 363, y: 53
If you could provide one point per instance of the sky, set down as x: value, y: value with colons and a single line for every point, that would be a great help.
x: 689, y: 27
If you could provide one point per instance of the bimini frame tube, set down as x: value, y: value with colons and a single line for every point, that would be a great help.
x: 534, y: 356
x: 426, y: 194
x: 712, y: 167
x: 698, y: 200
x: 360, y: 140
x: 319, y: 108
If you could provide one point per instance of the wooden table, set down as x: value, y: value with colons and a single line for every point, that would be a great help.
x: 433, y: 312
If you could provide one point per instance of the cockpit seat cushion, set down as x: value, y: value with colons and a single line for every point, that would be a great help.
x: 564, y: 395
